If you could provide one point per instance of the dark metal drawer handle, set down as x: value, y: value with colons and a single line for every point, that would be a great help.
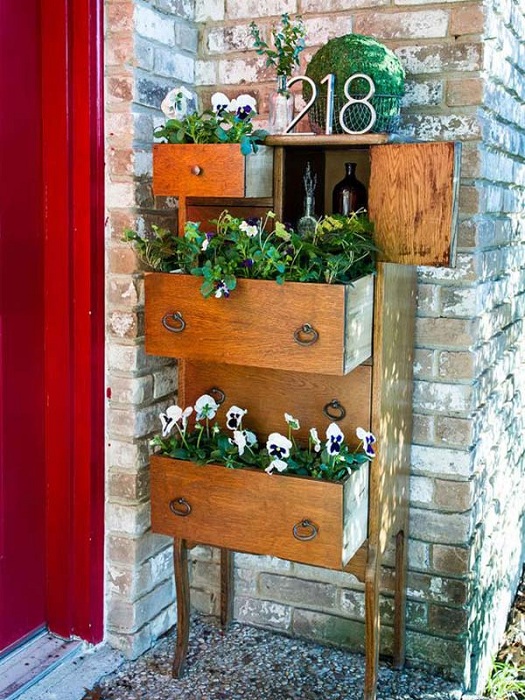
x: 305, y: 530
x: 180, y: 506
x: 218, y: 394
x: 306, y: 335
x: 174, y: 322
x: 334, y: 410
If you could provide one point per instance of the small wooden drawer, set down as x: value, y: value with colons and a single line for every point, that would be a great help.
x: 211, y: 170
x: 304, y: 520
x: 302, y: 327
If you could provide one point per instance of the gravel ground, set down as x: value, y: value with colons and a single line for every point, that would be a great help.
x: 254, y: 664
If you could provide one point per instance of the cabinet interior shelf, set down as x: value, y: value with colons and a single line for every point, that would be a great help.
x: 326, y: 140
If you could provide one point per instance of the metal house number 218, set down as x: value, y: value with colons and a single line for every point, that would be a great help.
x: 330, y: 89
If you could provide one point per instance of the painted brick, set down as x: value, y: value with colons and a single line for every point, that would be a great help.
x: 423, y: 93
x: 445, y: 332
x: 423, y: 429
x: 119, y: 89
x: 259, y: 8
x: 421, y: 490
x: 456, y: 364
x: 263, y: 612
x: 165, y: 382
x: 418, y: 554
x: 174, y: 66
x: 316, y: 6
x: 153, y: 25
x: 299, y: 591
x: 441, y: 461
x: 209, y: 9
x: 131, y: 520
x: 428, y: 24
x: 442, y: 653
x: 455, y: 398
x: 127, y: 455
x: 445, y: 528
x: 131, y: 390
x: 441, y: 58
x: 423, y: 586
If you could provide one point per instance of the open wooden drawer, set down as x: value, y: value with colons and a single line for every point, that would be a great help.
x: 325, y: 328
x: 300, y: 519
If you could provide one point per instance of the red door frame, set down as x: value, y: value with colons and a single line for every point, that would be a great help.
x: 73, y: 175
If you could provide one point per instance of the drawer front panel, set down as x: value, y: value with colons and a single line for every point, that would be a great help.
x: 267, y: 394
x: 198, y: 170
x: 248, y: 511
x: 294, y: 326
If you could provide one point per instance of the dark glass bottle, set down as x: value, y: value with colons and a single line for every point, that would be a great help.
x: 349, y: 195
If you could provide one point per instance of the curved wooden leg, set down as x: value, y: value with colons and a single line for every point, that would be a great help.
x: 182, y: 587
x: 226, y: 588
x: 372, y: 624
x: 400, y: 600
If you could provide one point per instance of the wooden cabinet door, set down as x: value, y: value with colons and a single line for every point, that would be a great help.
x: 412, y: 201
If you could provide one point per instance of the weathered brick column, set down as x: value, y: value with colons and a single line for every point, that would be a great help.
x: 150, y: 47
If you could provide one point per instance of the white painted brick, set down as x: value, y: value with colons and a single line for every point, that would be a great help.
x: 441, y: 462
x: 427, y: 24
x: 253, y: 9
x: 154, y: 26
x: 206, y: 72
x: 209, y: 10
x: 421, y: 489
x: 120, y: 195
x: 174, y: 65
x: 131, y: 520
x: 127, y: 455
x: 454, y: 398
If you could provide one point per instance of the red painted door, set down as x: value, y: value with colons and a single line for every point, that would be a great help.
x: 22, y: 453
x: 51, y: 319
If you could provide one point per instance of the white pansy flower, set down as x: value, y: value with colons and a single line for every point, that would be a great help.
x: 334, y: 439
x: 220, y: 103
x: 276, y: 464
x: 239, y: 439
x: 172, y: 416
x: 179, y: 102
x: 249, y: 229
x: 251, y: 438
x: 278, y: 446
x: 206, y: 407
x: 244, y: 106
x: 315, y: 439
x: 205, y: 244
x: 234, y: 417
x: 292, y: 422
x: 368, y: 439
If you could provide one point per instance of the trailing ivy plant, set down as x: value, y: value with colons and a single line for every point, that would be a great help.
x: 339, y: 250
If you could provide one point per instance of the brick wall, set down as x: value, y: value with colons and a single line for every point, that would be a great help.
x: 467, y: 464
x: 150, y: 47
x: 466, y: 546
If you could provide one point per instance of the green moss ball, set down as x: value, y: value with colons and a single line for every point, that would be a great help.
x: 357, y: 53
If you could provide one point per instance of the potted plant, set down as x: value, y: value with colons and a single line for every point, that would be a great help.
x: 189, y: 161
x: 288, y: 42
x: 256, y: 293
x: 214, y: 481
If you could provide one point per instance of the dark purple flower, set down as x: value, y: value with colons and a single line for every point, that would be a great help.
x: 247, y: 262
x: 210, y: 235
x: 253, y: 221
x: 243, y: 112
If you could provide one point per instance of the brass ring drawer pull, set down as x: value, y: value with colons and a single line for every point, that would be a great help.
x: 174, y: 322
x: 305, y: 531
x: 218, y: 394
x: 306, y: 335
x: 180, y: 506
x: 334, y: 410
